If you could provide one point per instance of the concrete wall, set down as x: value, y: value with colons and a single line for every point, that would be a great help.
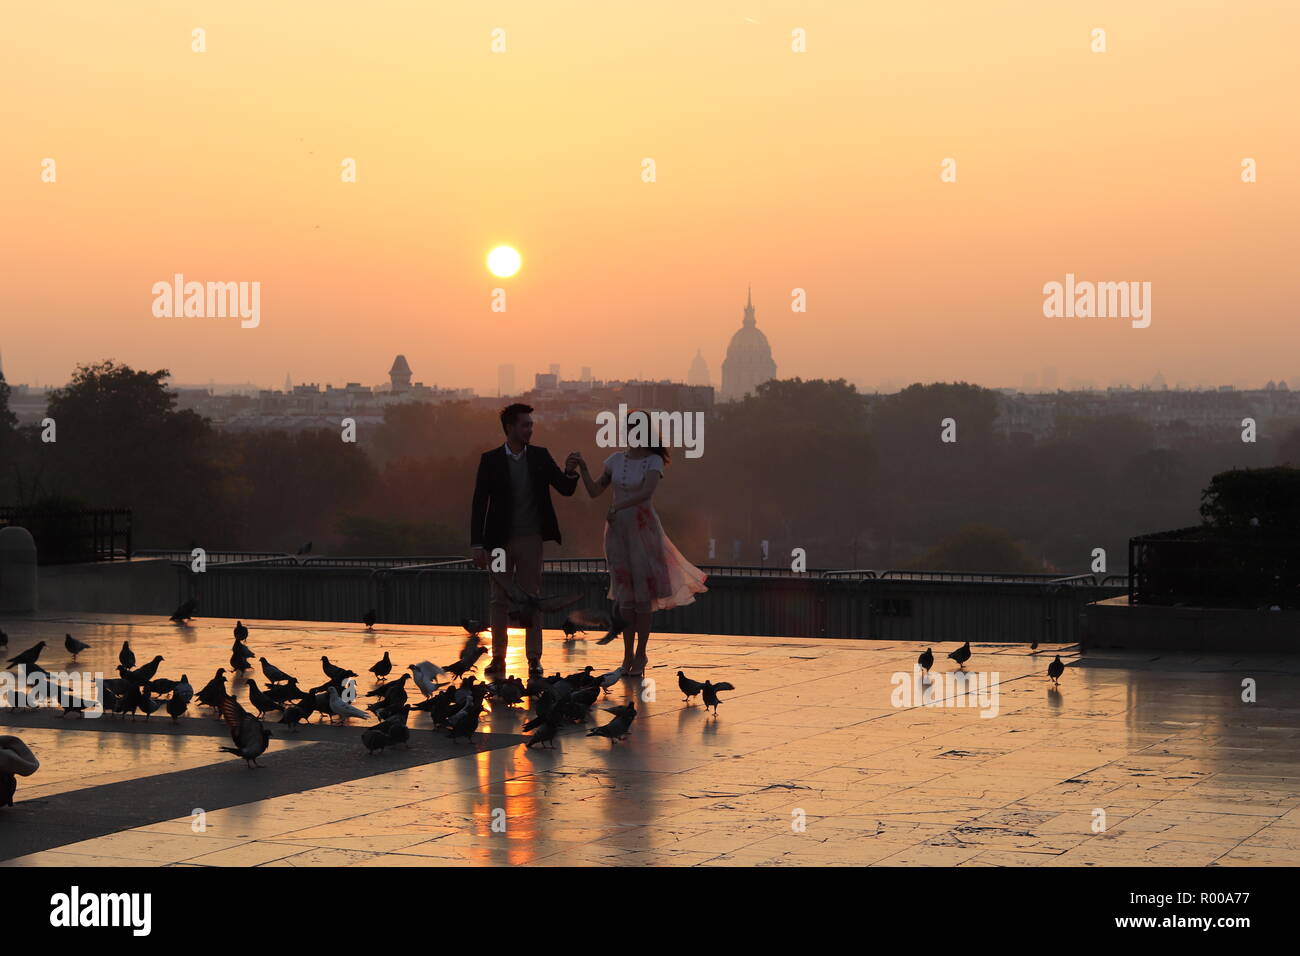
x: 119, y: 587
x: 1115, y: 624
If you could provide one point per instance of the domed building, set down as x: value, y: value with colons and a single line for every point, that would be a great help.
x: 749, y: 359
x: 699, y: 373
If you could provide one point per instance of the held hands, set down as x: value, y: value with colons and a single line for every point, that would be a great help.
x: 574, y: 460
x: 480, y: 558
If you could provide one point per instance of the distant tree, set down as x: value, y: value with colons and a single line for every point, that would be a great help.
x: 977, y: 548
x: 391, y: 536
x: 1249, y: 498
x: 122, y: 443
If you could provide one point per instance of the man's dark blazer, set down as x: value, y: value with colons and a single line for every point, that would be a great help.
x: 489, y: 522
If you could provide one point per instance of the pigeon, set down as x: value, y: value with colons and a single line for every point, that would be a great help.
x: 391, y: 731
x: 342, y: 709
x: 926, y: 660
x: 239, y: 663
x: 146, y: 672
x: 616, y: 729
x: 148, y: 704
x: 382, y: 668
x: 375, y: 738
x: 459, y: 668
x: 297, y: 712
x: 258, y: 699
x: 525, y: 605
x: 214, y: 691
x: 126, y: 656
x: 368, y: 619
x: 465, y: 721
x: 284, y: 693
x: 28, y: 657
x: 180, y: 698
x: 472, y: 627
x: 690, y: 688
x: 544, y: 734
x: 333, y: 671
x: 711, y: 694
x: 273, y: 673
x: 1055, y: 670
x: 66, y: 698
x: 961, y: 655
x: 185, y: 612
x: 4, y: 639
x: 74, y: 646
x: 571, y: 628
x: 250, y: 737
x: 610, y: 622
x: 628, y: 710
x: 241, y: 632
x: 422, y: 681
x: 1033, y: 646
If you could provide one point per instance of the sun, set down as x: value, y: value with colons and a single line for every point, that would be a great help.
x: 503, y: 261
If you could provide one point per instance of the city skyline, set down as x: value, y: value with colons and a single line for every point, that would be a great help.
x: 821, y: 171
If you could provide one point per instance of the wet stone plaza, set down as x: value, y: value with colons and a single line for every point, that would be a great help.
x: 825, y: 753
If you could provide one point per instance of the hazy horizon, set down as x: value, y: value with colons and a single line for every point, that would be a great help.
x: 817, y: 171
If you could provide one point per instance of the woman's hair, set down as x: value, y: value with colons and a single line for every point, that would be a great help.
x: 660, y: 450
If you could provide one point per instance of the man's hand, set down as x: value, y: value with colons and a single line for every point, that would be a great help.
x: 480, y: 558
x: 574, y: 459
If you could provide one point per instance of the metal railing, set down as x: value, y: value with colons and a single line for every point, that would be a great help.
x: 74, y: 536
x: 922, y: 606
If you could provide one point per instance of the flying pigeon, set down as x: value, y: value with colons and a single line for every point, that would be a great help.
x: 711, y: 694
x: 526, y: 605
x: 608, y: 621
x: 422, y: 681
x: 185, y: 611
x: 250, y: 737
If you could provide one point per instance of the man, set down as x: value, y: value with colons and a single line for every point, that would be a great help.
x: 16, y: 760
x: 512, y: 510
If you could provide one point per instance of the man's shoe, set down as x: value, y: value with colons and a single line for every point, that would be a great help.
x: 496, y: 668
x: 535, y: 669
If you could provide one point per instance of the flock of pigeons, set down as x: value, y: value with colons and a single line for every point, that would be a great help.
x: 452, y: 696
x: 962, y: 654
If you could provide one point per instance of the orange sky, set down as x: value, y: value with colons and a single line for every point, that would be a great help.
x: 817, y: 170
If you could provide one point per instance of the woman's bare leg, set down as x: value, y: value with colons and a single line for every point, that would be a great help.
x: 643, y: 637
x: 627, y: 614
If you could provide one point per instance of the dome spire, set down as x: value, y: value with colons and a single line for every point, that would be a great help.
x: 749, y: 308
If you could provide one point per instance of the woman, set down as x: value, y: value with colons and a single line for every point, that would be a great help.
x: 646, y: 572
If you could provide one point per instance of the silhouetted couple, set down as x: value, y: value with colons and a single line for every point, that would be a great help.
x: 512, y: 510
